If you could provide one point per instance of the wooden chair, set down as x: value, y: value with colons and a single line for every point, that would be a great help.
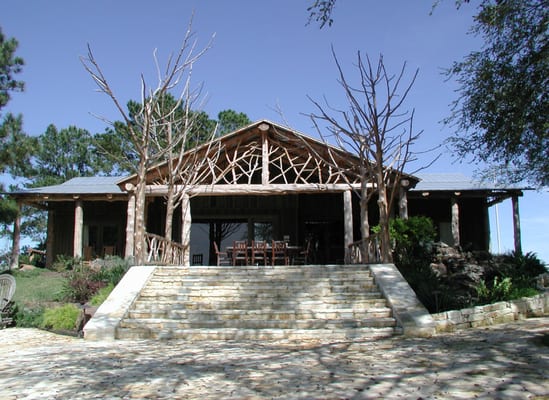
x: 109, y: 251
x: 279, y: 252
x: 222, y: 256
x: 302, y: 257
x: 7, y: 289
x: 259, y: 252
x: 197, y: 259
x: 240, y: 252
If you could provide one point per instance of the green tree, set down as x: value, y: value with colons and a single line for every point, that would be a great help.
x: 501, y: 111
x: 9, y: 65
x: 230, y: 120
x: 13, y: 142
x: 64, y: 154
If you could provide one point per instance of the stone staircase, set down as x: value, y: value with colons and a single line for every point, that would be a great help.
x: 259, y: 303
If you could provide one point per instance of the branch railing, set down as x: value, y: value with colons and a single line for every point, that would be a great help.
x: 163, y: 251
x: 364, y: 251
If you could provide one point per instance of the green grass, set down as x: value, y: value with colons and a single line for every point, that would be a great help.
x: 38, y: 286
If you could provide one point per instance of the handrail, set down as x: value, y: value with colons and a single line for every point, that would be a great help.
x: 364, y: 251
x: 163, y: 251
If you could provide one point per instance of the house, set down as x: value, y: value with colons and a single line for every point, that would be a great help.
x: 263, y: 181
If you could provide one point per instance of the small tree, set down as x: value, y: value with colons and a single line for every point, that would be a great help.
x: 378, y: 131
x: 146, y: 128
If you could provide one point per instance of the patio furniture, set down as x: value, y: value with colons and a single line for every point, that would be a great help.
x: 279, y: 252
x: 197, y: 259
x: 222, y: 256
x: 259, y: 252
x: 7, y: 289
x: 240, y: 252
x: 302, y: 258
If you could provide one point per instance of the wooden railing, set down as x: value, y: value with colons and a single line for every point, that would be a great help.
x: 364, y: 251
x: 163, y: 251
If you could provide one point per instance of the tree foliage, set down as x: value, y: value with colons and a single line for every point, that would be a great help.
x: 501, y: 111
x: 321, y: 12
x: 9, y: 65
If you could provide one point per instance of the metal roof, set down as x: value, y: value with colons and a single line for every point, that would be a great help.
x: 454, y: 182
x: 81, y: 185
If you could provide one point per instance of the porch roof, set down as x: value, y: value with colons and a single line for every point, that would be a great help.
x: 101, y: 186
x: 461, y: 185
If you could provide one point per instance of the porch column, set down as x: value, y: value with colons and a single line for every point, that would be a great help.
x: 516, y: 224
x: 16, y: 242
x: 403, y: 201
x: 455, y: 220
x: 347, y: 223
x: 78, y: 228
x: 50, y: 238
x: 130, y: 227
x: 186, y: 222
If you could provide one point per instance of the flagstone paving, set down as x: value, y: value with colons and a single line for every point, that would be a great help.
x: 508, y: 361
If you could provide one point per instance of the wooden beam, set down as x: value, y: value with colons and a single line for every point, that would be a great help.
x: 347, y: 223
x: 273, y: 189
x: 16, y: 243
x: 264, y: 158
x: 130, y: 228
x: 516, y: 225
x: 78, y: 228
x: 455, y: 221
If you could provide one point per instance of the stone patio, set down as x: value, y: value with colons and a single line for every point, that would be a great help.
x: 509, y: 361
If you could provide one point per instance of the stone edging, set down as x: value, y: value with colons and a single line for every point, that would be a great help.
x: 491, y: 314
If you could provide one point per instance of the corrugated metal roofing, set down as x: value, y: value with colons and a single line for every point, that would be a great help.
x: 81, y: 185
x: 452, y: 182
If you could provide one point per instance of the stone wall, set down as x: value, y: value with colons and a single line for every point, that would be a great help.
x: 491, y: 314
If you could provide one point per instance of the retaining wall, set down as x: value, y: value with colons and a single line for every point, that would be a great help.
x: 491, y: 314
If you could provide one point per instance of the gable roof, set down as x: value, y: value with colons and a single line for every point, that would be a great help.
x: 293, y: 157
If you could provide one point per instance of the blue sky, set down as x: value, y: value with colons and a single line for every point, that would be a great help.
x: 264, y: 58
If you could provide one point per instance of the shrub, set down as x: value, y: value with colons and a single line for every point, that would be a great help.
x: 64, y: 263
x: 28, y: 317
x: 81, y: 284
x: 499, y: 290
x: 101, y: 295
x: 112, y: 269
x: 61, y: 318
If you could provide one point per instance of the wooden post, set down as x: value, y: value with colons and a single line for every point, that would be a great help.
x: 516, y: 224
x: 186, y: 222
x: 403, y: 202
x: 50, y: 238
x: 78, y: 228
x: 347, y: 224
x: 16, y: 243
x: 130, y: 224
x: 264, y: 158
x: 455, y: 221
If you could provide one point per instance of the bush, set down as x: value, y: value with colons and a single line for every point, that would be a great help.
x: 61, y: 318
x: 83, y: 281
x: 112, y: 269
x: 81, y: 284
x: 28, y: 317
x: 101, y: 295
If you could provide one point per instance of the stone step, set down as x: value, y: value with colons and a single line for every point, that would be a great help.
x: 245, y: 315
x: 270, y: 303
x: 314, y: 324
x: 256, y: 291
x: 357, y: 334
x: 324, y: 304
x: 261, y: 299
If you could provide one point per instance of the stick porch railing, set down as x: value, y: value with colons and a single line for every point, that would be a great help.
x: 364, y: 251
x: 163, y: 251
